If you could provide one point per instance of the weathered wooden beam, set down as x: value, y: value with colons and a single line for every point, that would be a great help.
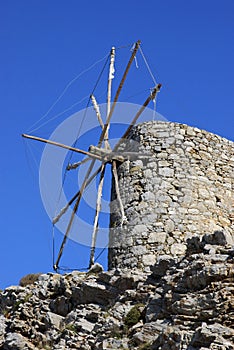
x: 110, y: 78
x: 64, y: 209
x: 106, y: 154
x: 77, y: 150
x: 96, y: 218
x: 98, y: 113
x: 75, y: 165
x: 137, y: 45
x: 100, y: 152
x: 141, y: 110
x: 97, y: 110
x: 115, y: 174
x: 83, y: 186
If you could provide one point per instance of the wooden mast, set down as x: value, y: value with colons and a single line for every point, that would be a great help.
x: 96, y: 218
x: 107, y: 147
x: 136, y: 47
x: 110, y: 78
x: 115, y: 174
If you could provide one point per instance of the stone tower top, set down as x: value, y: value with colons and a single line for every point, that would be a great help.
x: 184, y: 189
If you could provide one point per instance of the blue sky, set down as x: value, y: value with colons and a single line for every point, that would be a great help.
x: 45, y: 44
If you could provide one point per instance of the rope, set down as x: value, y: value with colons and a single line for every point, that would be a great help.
x: 137, y: 94
x: 85, y: 112
x: 123, y: 47
x: 29, y: 153
x: 61, y: 113
x: 148, y: 67
x: 102, y: 251
x: 65, y: 268
x: 65, y: 89
x: 62, y: 268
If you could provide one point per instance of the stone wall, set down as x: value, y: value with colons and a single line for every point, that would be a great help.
x: 182, y: 304
x: 185, y: 188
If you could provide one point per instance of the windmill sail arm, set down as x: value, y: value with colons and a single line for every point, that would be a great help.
x: 136, y: 47
x: 97, y: 110
x: 84, y: 184
x: 64, y: 209
x: 100, y: 152
x: 67, y: 232
x: 111, y: 76
x: 58, y: 144
x: 96, y: 218
x: 98, y: 113
x: 141, y: 110
x: 76, y: 165
x: 115, y: 174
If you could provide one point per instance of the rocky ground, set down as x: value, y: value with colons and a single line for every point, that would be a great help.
x: 185, y: 303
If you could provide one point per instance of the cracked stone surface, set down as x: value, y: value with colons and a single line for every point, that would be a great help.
x: 182, y: 303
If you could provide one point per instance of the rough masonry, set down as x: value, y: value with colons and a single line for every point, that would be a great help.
x: 184, y: 303
x: 184, y: 188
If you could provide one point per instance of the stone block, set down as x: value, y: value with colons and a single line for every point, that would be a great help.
x: 178, y: 249
x: 165, y: 171
x: 17, y: 342
x: 157, y: 237
x: 55, y: 320
x: 148, y: 260
x: 138, y: 250
x: 138, y: 229
x: 148, y: 196
x: 169, y: 226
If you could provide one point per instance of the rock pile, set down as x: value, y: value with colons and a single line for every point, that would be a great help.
x: 182, y: 303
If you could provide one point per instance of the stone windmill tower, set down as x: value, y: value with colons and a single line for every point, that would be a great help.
x: 175, y: 182
x: 185, y: 189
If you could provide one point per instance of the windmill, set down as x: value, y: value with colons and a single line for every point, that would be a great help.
x: 102, y: 152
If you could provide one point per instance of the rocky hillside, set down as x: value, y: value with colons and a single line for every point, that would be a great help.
x: 185, y: 303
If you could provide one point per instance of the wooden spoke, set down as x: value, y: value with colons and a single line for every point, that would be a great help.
x: 84, y: 185
x: 114, y: 171
x: 77, y: 150
x: 98, y: 113
x: 96, y: 218
x: 137, y: 45
x: 133, y: 122
x: 110, y: 78
x: 97, y: 110
x: 76, y: 165
x: 64, y: 209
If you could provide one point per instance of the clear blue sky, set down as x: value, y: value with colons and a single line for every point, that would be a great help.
x: 44, y: 44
